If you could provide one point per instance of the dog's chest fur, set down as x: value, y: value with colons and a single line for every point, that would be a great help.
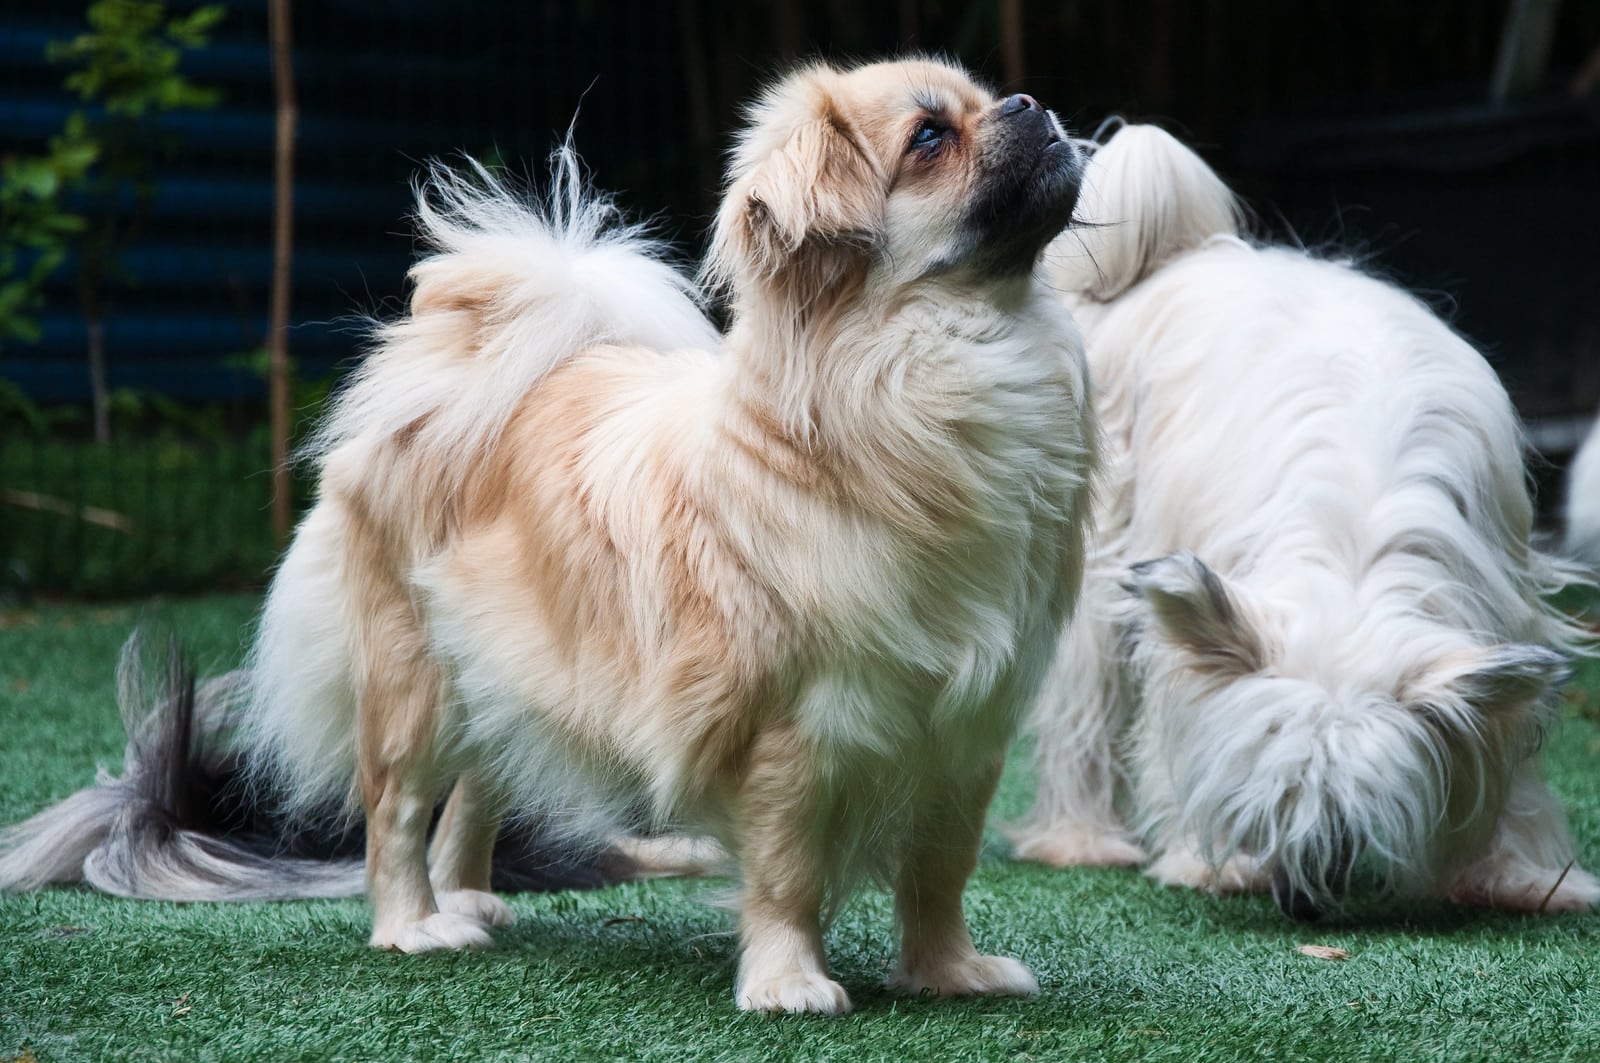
x: 981, y: 464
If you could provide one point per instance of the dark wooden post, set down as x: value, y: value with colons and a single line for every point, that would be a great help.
x: 282, y: 247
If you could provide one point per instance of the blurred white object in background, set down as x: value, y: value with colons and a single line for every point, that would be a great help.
x: 1583, y: 501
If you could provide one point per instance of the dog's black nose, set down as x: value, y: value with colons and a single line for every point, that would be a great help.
x: 1020, y: 102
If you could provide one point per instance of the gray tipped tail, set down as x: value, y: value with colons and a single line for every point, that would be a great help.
x: 52, y: 846
x: 153, y: 832
x: 182, y: 823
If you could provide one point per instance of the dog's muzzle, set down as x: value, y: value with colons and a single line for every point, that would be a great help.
x: 1333, y: 878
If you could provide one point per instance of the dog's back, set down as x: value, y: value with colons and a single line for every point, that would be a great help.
x: 1306, y: 414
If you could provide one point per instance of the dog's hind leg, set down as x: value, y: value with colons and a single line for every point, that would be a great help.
x: 460, y: 858
x: 1083, y: 707
x: 937, y: 954
x: 399, y: 698
x: 781, y: 964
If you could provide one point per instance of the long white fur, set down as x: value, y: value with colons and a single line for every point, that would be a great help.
x: 1340, y: 638
x: 1583, y: 502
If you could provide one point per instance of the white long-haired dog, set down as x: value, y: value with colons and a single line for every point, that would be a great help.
x: 795, y: 586
x: 1313, y: 630
x: 1583, y: 502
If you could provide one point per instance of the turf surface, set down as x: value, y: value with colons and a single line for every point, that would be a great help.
x: 1129, y: 970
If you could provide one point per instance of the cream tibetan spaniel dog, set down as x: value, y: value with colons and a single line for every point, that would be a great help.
x: 1314, y: 637
x: 795, y: 586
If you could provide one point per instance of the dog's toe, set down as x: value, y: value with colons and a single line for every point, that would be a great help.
x: 1186, y: 867
x: 484, y: 907
x: 793, y: 992
x: 438, y: 932
x: 971, y: 976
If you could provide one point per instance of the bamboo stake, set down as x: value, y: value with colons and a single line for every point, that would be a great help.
x: 282, y: 249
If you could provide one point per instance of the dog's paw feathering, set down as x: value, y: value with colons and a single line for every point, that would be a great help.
x: 792, y: 992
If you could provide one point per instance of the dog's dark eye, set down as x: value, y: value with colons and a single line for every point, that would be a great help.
x: 928, y: 133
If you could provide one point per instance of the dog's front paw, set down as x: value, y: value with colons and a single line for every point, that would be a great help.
x: 436, y: 933
x: 1078, y: 845
x: 793, y: 992
x: 1186, y: 867
x: 486, y: 908
x: 1530, y: 890
x: 972, y: 975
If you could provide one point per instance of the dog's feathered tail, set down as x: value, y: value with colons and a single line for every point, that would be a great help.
x: 511, y: 287
x: 1146, y: 197
x: 180, y: 824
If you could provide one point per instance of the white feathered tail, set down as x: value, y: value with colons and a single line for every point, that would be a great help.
x: 1145, y: 198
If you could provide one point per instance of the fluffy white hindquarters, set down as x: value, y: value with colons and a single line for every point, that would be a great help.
x: 1312, y: 563
x: 511, y: 289
x: 1583, y: 503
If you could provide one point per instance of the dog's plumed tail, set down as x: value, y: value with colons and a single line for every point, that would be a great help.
x: 158, y: 831
x: 182, y: 824
x: 1146, y: 198
x: 511, y: 288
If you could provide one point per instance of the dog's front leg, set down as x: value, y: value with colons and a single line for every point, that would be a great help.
x: 937, y: 954
x: 781, y: 964
x: 1078, y: 721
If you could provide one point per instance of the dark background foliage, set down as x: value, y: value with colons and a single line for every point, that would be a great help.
x: 1360, y: 127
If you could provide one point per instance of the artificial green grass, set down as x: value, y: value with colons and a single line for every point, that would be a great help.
x: 1129, y: 970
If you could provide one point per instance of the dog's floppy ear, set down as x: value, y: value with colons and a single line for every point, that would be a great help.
x: 805, y: 194
x: 1502, y: 684
x: 1194, y: 608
